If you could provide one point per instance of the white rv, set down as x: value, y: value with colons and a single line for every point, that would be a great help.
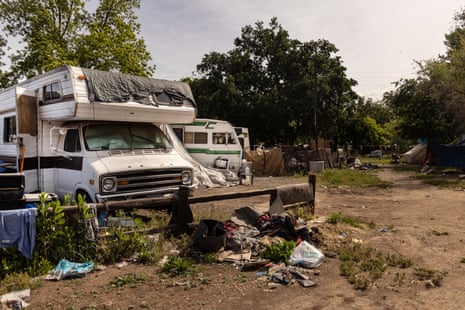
x: 80, y: 131
x: 243, y: 135
x: 213, y: 143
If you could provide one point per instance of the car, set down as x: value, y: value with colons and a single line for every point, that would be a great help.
x: 376, y: 154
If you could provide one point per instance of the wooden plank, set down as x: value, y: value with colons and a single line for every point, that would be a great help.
x: 226, y: 196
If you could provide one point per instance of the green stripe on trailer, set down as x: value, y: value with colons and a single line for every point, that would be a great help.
x: 213, y: 152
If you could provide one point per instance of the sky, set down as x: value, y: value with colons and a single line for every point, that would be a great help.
x: 379, y: 41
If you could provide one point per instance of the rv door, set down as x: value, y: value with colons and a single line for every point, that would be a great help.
x: 27, y: 136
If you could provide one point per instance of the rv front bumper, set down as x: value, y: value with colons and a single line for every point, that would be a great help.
x: 168, y: 193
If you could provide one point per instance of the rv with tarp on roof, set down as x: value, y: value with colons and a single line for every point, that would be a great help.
x: 80, y: 131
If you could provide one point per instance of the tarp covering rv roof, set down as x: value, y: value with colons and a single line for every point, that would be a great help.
x: 118, y: 87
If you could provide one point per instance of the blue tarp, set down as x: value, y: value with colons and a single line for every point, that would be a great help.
x: 66, y: 269
x: 449, y: 155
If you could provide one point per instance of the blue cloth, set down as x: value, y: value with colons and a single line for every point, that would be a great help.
x: 18, y: 227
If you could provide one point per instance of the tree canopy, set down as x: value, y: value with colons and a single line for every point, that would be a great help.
x: 51, y: 33
x: 275, y: 85
x: 431, y: 105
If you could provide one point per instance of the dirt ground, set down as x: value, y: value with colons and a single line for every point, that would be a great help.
x: 418, y: 221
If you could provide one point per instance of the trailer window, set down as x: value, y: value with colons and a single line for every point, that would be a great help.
x: 191, y: 137
x: 72, y: 143
x: 223, y: 138
x: 9, y: 129
x: 52, y: 92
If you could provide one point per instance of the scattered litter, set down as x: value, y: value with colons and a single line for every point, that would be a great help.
x: 384, y: 230
x: 15, y: 300
x: 306, y: 255
x: 121, y: 221
x: 291, y: 274
x: 66, y: 269
x: 121, y: 264
x: 306, y: 283
x: 186, y: 283
x: 255, y: 265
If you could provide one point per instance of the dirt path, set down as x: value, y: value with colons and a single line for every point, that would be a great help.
x: 420, y: 222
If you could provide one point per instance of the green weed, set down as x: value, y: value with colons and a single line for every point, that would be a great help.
x: 15, y: 282
x: 176, y: 266
x: 364, y: 265
x: 278, y: 252
x: 351, y: 178
x: 337, y: 217
x: 434, y: 276
x: 129, y: 279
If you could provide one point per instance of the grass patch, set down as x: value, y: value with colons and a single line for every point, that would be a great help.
x: 433, y: 278
x: 352, y: 178
x: 178, y: 266
x: 386, y: 159
x: 364, y: 265
x: 442, y: 180
x: 129, y: 279
x: 337, y: 217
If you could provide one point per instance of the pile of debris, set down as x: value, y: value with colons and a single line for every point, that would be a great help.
x: 244, y: 236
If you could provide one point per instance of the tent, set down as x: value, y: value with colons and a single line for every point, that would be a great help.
x: 415, y: 155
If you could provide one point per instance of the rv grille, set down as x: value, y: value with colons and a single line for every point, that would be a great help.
x: 144, y: 181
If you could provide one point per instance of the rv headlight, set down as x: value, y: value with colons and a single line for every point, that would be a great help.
x: 186, y: 177
x: 109, y: 184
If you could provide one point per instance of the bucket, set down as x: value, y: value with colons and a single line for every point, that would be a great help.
x: 317, y: 166
x: 221, y: 163
x: 209, y: 236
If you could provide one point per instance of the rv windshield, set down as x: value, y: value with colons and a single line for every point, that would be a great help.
x: 124, y: 137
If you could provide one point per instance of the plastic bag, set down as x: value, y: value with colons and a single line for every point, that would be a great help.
x: 306, y: 255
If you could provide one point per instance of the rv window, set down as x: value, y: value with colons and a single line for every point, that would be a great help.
x: 124, y: 137
x: 9, y: 129
x: 52, y: 92
x: 179, y: 134
x: 72, y: 143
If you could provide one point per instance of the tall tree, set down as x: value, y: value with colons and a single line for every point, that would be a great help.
x: 269, y: 82
x: 432, y: 105
x: 112, y: 40
x: 420, y: 114
x: 51, y: 33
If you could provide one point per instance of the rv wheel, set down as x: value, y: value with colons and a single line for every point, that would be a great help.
x: 85, y: 196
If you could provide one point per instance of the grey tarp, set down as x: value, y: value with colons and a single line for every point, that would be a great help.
x: 119, y: 87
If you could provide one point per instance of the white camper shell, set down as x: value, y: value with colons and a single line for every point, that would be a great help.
x: 213, y: 143
x: 80, y: 131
